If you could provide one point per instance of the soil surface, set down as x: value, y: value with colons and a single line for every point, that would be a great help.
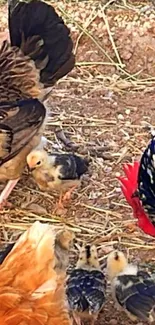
x: 106, y: 106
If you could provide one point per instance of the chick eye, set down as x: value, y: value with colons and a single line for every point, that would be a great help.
x: 38, y: 163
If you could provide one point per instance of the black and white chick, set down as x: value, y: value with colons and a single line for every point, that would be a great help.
x: 56, y: 171
x: 132, y: 289
x: 86, y: 286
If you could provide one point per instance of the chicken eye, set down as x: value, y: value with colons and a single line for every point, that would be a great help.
x: 38, y: 163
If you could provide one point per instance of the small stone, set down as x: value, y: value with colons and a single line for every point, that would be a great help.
x: 127, y: 123
x: 117, y: 174
x: 113, y: 322
x: 127, y: 111
x: 118, y: 189
x: 120, y: 117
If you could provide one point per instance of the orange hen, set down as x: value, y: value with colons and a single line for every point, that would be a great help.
x: 31, y: 292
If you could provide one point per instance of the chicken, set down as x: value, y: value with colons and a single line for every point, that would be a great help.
x: 61, y: 172
x: 31, y: 291
x: 64, y: 240
x: 139, y: 189
x: 132, y: 289
x: 40, y: 53
x: 86, y: 286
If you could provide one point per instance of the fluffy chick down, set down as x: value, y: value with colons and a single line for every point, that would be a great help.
x: 134, y: 290
x: 56, y: 171
x: 86, y: 286
x: 63, y: 242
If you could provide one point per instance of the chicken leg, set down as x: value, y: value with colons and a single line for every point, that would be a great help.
x: 6, y: 192
x: 63, y: 198
x: 77, y: 319
x: 66, y: 197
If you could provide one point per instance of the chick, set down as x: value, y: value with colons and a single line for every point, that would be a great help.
x: 63, y: 242
x: 132, y: 289
x: 86, y: 286
x: 61, y: 172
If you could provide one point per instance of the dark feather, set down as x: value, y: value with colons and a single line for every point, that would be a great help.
x: 136, y: 293
x: 36, y: 28
x: 146, y: 180
x: 73, y: 166
x: 19, y: 78
x: 20, y: 121
x: 5, y: 252
x: 86, y: 290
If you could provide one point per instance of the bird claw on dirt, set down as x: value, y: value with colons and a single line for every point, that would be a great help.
x: 6, y: 204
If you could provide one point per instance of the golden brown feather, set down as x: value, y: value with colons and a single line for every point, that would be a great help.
x: 21, y: 73
x: 31, y: 292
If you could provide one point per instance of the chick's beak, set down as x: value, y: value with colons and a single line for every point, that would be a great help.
x: 30, y: 169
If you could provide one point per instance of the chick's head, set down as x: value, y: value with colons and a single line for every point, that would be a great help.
x: 65, y: 238
x: 116, y: 263
x: 36, y: 159
x: 88, y: 257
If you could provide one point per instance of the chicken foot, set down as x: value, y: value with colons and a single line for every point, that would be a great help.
x: 65, y: 197
x: 6, y: 192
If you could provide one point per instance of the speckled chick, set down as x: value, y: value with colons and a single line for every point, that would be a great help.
x: 86, y: 286
x: 132, y: 289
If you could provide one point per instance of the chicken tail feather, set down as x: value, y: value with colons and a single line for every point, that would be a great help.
x: 129, y: 182
x: 41, y: 34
